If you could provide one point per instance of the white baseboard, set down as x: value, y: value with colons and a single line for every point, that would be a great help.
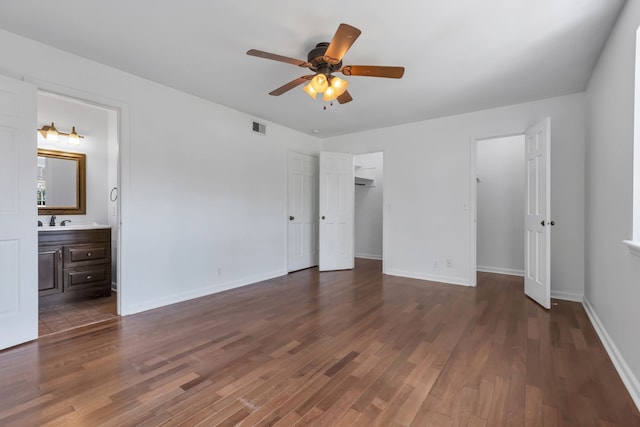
x: 433, y: 278
x: 500, y: 270
x: 200, y: 292
x: 369, y: 256
x: 567, y: 296
x: 626, y: 374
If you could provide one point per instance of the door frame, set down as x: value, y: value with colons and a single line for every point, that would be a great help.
x: 122, y: 160
x: 473, y: 199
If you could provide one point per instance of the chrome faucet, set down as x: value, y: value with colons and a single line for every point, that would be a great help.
x: 52, y: 223
x: 63, y: 223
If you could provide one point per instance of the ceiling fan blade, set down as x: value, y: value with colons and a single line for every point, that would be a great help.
x: 342, y: 41
x: 287, y: 87
x: 373, y: 71
x: 273, y: 56
x: 344, y: 98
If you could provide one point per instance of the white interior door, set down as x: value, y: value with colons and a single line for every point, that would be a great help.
x: 537, y: 214
x: 336, y: 211
x: 302, y: 230
x: 18, y: 213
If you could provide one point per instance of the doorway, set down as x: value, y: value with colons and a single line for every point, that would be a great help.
x: 537, y: 211
x: 99, y: 126
x: 368, y: 224
x: 500, y: 205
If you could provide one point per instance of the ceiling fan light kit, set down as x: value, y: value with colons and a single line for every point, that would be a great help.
x: 325, y: 59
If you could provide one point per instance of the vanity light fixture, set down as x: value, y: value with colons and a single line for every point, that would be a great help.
x: 52, y: 134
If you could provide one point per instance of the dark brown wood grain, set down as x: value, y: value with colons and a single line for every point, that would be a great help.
x: 348, y: 348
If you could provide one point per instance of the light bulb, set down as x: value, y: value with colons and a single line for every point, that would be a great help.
x: 311, y: 91
x: 319, y: 83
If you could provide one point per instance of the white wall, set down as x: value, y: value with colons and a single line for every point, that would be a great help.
x: 612, y: 289
x: 427, y: 188
x: 91, y: 123
x: 368, y: 206
x: 202, y: 197
x: 500, y: 201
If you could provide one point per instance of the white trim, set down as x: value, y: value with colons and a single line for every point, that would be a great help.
x: 634, y: 247
x: 369, y: 256
x: 567, y: 296
x: 473, y: 209
x: 200, y: 292
x: 432, y: 278
x: 501, y: 270
x: 626, y: 374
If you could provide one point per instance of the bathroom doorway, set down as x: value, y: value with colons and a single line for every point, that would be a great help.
x: 98, y: 127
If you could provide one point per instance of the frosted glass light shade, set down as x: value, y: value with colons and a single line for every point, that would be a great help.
x: 319, y: 83
x: 329, y: 94
x: 311, y: 91
x: 73, y: 138
x: 52, y: 133
x: 339, y: 85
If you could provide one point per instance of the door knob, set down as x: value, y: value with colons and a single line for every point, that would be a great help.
x: 542, y: 223
x: 552, y: 223
x: 322, y: 217
x: 291, y: 218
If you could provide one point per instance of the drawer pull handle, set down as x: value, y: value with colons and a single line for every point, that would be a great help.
x: 88, y: 253
x: 89, y: 277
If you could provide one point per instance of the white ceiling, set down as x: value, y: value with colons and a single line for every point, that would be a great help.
x: 459, y: 55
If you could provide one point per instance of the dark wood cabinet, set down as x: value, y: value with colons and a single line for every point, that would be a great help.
x: 73, y: 265
x: 49, y: 270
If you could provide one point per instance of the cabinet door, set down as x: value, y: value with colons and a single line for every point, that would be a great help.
x: 49, y: 270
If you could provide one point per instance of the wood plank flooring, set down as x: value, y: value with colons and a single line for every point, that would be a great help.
x: 349, y: 348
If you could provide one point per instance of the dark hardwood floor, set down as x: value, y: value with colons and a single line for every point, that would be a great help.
x: 349, y: 348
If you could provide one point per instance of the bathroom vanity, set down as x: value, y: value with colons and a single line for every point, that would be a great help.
x: 74, y: 263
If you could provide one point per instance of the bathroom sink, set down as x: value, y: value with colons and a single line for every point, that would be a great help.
x: 74, y: 226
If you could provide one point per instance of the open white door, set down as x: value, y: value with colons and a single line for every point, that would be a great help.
x: 18, y: 213
x: 302, y: 230
x: 336, y: 211
x: 537, y: 214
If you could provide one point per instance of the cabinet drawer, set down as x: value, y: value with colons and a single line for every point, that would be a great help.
x: 85, y: 277
x: 93, y: 253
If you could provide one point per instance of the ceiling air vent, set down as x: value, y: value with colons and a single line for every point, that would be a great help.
x: 259, y: 128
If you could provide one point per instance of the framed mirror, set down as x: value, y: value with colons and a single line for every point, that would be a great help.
x: 61, y: 187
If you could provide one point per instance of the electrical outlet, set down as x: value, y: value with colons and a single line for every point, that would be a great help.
x: 449, y: 262
x: 435, y: 263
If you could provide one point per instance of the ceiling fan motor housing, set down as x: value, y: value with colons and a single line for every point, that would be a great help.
x: 318, y: 62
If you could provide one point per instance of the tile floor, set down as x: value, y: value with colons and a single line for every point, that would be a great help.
x: 68, y: 316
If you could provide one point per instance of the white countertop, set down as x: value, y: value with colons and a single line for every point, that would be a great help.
x: 72, y: 226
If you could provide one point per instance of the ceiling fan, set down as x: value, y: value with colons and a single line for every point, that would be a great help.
x: 326, y: 59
